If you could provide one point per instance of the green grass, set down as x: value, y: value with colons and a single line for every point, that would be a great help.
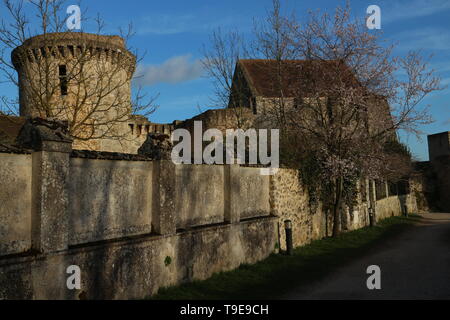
x: 276, y: 275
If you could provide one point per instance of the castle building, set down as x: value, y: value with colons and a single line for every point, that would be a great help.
x: 84, y: 79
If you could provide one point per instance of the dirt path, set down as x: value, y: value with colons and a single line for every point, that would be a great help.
x: 414, y: 265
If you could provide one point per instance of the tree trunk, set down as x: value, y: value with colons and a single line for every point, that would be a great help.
x: 337, y: 207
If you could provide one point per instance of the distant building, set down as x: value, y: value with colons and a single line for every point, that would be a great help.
x: 439, y: 145
x: 261, y: 84
x: 439, y: 153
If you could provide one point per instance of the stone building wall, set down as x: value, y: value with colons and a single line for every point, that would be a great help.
x: 310, y: 221
x: 395, y: 206
x: 441, y: 166
x: 289, y: 201
x: 423, y: 186
x: 221, y: 119
x: 439, y: 145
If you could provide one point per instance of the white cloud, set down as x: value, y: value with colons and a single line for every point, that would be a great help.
x: 174, y: 70
x: 413, y: 9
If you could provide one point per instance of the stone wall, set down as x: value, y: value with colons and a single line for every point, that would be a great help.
x: 136, y: 268
x: 133, y: 225
x: 221, y: 119
x: 15, y: 203
x: 290, y: 201
x: 130, y: 224
x: 243, y: 200
x: 395, y: 206
x: 109, y: 199
x: 199, y: 195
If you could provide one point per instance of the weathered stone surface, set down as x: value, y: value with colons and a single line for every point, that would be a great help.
x: 137, y: 268
x: 244, y: 202
x: 45, y: 134
x: 394, y: 206
x: 109, y: 199
x: 101, y: 155
x: 222, y: 119
x: 290, y: 201
x: 199, y: 194
x: 164, y: 198
x: 15, y: 203
x: 157, y: 146
x: 50, y: 200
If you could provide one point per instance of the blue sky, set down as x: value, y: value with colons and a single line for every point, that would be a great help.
x: 172, y: 33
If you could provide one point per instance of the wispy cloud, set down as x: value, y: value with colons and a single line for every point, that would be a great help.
x: 403, y: 10
x: 174, y: 70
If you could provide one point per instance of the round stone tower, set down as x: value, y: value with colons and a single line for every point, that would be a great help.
x: 79, y: 77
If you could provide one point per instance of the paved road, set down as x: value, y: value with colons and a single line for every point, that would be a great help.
x: 414, y: 265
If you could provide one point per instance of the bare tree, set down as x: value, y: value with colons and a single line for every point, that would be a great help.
x: 351, y: 103
x: 74, y: 76
x: 338, y: 100
x: 225, y: 49
x: 220, y: 61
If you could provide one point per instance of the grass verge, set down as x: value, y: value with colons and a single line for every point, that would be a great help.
x: 278, y: 274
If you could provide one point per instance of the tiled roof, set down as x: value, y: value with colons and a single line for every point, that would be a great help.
x: 297, y: 77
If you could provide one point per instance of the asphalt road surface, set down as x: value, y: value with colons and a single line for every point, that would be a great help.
x: 414, y: 265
